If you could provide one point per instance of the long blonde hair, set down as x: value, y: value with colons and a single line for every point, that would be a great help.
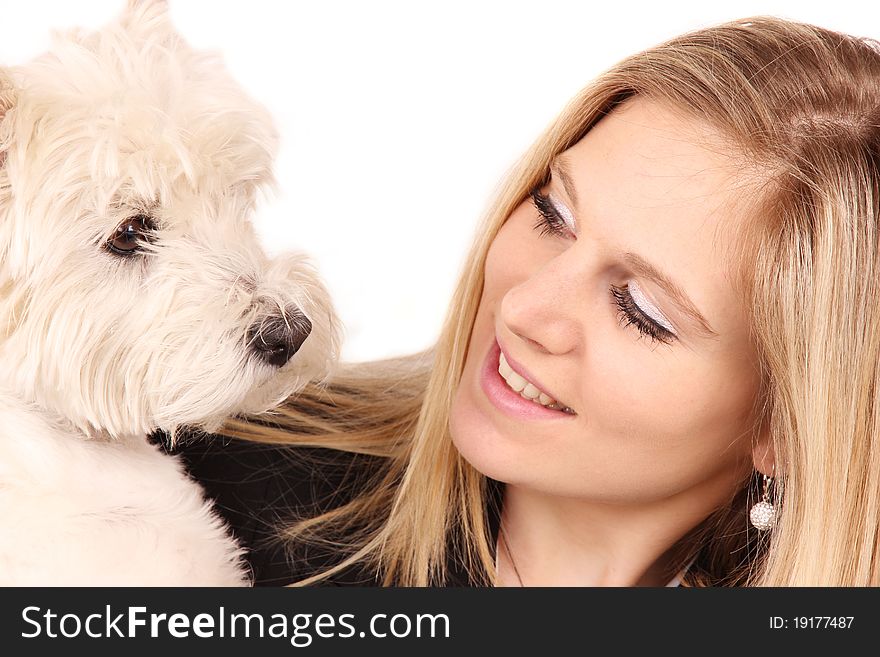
x: 802, y: 104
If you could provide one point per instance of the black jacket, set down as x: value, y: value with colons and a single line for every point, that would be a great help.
x: 260, y: 488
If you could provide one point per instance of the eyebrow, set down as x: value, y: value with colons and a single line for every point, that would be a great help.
x: 641, y: 267
x: 559, y: 168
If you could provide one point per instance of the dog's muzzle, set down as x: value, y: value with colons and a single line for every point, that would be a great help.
x: 276, y: 339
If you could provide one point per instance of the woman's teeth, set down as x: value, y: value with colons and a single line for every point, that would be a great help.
x: 526, y: 389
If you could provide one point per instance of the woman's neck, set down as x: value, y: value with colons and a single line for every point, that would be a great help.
x: 555, y: 541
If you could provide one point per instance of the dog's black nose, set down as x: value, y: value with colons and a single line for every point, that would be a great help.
x: 275, y: 340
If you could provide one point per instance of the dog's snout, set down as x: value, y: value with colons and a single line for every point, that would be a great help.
x: 276, y: 339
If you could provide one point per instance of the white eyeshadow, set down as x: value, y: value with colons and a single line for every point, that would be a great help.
x: 647, y: 307
x: 563, y: 211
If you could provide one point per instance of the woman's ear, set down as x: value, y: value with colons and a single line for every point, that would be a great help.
x: 763, y: 454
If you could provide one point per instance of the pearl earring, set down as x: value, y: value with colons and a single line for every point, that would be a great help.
x: 763, y: 514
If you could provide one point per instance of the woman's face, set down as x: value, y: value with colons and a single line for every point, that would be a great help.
x: 660, y: 401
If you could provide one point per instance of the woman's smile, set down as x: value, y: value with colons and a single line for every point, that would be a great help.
x: 512, y: 391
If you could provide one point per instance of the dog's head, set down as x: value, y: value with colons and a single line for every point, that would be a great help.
x: 134, y: 294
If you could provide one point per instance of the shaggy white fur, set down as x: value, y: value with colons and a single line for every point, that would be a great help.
x: 134, y: 296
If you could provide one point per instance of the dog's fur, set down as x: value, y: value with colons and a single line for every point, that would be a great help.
x: 99, y: 350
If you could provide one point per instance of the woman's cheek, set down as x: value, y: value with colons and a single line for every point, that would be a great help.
x: 631, y: 392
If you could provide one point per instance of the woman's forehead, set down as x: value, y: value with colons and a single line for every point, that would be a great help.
x: 675, y: 158
x: 652, y: 181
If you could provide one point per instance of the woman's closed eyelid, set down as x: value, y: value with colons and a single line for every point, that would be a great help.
x: 649, y: 308
x: 564, y: 212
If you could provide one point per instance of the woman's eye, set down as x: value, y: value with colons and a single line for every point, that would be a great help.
x: 630, y: 313
x: 549, y: 220
x: 130, y: 235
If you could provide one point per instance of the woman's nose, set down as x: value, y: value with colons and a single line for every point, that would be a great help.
x: 542, y: 309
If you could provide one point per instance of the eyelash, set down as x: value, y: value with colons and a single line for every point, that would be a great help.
x: 550, y: 223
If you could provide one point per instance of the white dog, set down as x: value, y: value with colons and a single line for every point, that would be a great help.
x: 134, y: 297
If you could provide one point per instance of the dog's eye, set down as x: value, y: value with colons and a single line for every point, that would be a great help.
x: 129, y: 234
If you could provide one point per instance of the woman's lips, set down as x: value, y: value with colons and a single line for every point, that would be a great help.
x: 523, y: 373
x: 507, y: 400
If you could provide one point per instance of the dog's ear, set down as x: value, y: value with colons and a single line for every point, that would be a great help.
x: 8, y: 96
x: 147, y: 17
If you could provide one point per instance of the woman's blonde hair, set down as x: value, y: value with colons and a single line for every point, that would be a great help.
x: 800, y: 104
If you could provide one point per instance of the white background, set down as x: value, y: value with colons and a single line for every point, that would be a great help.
x: 399, y: 119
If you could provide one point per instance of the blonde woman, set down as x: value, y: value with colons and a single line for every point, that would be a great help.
x: 661, y: 364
